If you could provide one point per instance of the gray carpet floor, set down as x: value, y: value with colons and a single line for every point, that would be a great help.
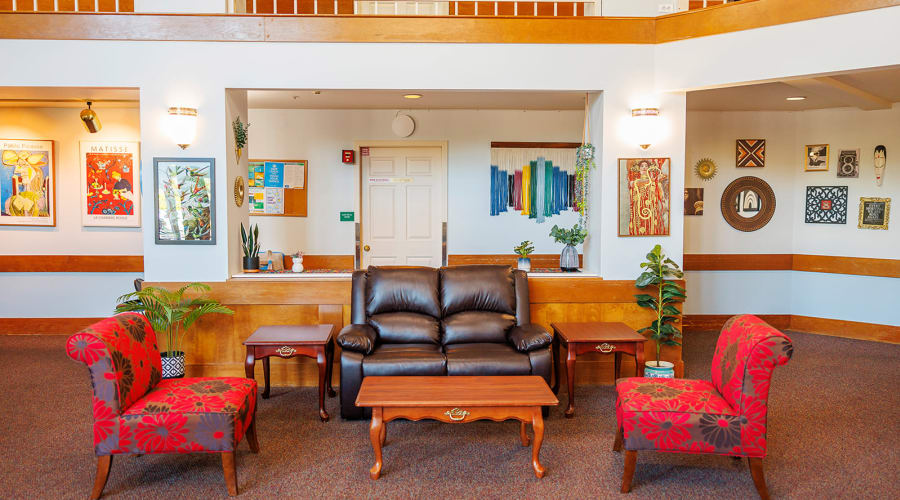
x: 834, y: 432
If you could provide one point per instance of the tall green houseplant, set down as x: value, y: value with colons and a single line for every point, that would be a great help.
x: 657, y: 278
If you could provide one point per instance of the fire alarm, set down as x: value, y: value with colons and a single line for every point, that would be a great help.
x: 347, y: 155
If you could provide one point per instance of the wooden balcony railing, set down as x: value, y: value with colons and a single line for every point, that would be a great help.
x: 67, y: 5
x: 551, y: 8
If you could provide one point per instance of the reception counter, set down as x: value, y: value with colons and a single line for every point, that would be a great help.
x: 214, y: 345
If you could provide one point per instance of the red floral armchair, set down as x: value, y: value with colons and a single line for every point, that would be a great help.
x: 136, y: 412
x: 725, y: 417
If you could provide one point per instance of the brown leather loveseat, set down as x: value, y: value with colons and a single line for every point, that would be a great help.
x: 465, y: 320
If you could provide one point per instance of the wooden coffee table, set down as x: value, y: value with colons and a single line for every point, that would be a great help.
x: 456, y: 400
x: 287, y: 341
x: 605, y: 338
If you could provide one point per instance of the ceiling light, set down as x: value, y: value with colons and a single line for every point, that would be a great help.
x: 796, y: 98
x: 412, y: 96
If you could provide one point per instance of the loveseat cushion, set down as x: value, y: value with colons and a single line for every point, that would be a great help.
x: 402, y: 290
x: 477, y: 288
x: 477, y: 326
x: 486, y: 359
x: 404, y: 359
x: 406, y: 328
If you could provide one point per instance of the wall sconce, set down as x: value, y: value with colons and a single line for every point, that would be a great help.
x: 90, y: 119
x: 182, y: 125
x: 646, y: 126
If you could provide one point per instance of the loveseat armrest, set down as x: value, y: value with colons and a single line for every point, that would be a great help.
x: 358, y: 338
x: 529, y: 337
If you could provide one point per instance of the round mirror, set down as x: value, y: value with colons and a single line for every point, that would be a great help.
x: 748, y: 203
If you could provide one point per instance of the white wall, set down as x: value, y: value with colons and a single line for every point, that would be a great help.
x: 638, y: 8
x: 319, y: 135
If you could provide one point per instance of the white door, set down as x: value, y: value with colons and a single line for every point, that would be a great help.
x: 402, y: 206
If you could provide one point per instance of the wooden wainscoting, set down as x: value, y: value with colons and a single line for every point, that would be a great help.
x: 538, y: 260
x: 807, y: 324
x: 833, y: 264
x: 44, y: 326
x: 71, y: 263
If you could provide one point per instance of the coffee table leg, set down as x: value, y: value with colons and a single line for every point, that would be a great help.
x: 537, y: 423
x: 323, y: 369
x: 383, y: 433
x: 523, y: 434
x: 375, y: 432
x: 639, y: 359
x: 329, y: 359
x: 265, y: 361
x: 570, y: 380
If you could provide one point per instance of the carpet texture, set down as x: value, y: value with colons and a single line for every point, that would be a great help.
x: 834, y: 432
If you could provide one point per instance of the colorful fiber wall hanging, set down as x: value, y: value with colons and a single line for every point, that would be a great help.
x: 534, y: 181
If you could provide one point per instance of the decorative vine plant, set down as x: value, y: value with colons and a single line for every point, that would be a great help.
x: 584, y: 162
x: 240, y: 135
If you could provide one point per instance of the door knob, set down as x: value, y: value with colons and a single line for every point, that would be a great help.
x: 366, y: 248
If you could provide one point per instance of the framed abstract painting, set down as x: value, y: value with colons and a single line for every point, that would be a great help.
x: 750, y: 153
x: 185, y: 201
x: 644, y: 196
x: 826, y: 204
x: 110, y: 184
x: 27, y: 183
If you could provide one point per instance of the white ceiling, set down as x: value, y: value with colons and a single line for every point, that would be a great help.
x: 68, y: 97
x: 431, y: 99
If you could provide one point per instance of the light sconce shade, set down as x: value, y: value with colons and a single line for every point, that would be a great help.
x: 90, y: 119
x: 182, y: 125
x: 646, y: 126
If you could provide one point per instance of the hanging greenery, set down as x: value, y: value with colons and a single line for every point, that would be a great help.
x: 584, y: 162
x: 240, y: 133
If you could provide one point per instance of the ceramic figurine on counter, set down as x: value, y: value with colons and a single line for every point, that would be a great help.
x: 297, y: 259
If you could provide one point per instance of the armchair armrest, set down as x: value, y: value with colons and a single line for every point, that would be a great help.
x: 359, y: 338
x: 529, y: 337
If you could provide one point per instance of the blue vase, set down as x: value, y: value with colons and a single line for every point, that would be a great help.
x: 665, y: 370
x: 524, y: 264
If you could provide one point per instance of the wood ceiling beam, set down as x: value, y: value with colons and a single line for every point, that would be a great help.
x: 830, y: 87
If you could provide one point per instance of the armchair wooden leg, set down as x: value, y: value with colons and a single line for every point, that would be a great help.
x: 103, y: 464
x: 628, y: 473
x: 251, y: 436
x: 617, y: 444
x: 228, y: 467
x: 759, y: 479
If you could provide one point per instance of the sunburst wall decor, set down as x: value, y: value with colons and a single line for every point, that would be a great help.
x: 706, y: 169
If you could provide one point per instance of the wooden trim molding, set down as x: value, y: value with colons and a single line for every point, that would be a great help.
x: 44, y: 326
x: 325, y: 262
x: 737, y: 262
x: 700, y: 322
x: 71, y: 263
x: 537, y: 259
x: 550, y: 145
x: 860, y: 266
x: 807, y: 324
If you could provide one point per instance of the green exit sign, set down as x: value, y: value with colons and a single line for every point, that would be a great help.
x: 346, y: 216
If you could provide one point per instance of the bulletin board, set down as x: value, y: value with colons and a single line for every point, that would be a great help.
x: 278, y: 188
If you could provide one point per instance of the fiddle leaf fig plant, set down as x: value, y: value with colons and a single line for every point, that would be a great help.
x: 658, y: 275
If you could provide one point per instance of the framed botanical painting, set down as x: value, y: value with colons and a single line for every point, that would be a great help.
x: 874, y: 213
x: 816, y: 159
x: 751, y: 153
x: 644, y: 196
x: 848, y: 163
x: 27, y: 183
x: 110, y: 184
x: 826, y: 204
x: 185, y: 201
x: 693, y: 201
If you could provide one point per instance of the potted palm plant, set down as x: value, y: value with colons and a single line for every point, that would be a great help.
x: 524, y: 249
x: 250, y: 247
x: 171, y: 315
x: 665, y: 293
x: 568, y: 259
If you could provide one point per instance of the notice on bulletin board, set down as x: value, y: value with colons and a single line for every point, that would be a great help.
x: 277, y: 187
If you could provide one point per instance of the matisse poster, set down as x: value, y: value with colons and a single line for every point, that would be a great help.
x: 110, y: 184
x: 27, y: 183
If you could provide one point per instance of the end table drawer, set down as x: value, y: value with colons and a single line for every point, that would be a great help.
x: 605, y: 347
x: 283, y: 351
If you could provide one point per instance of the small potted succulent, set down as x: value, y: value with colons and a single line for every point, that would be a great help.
x: 568, y: 259
x: 250, y: 247
x: 524, y: 249
x: 665, y: 293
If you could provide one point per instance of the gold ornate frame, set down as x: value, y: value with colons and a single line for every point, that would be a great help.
x: 619, y: 166
x: 887, y: 212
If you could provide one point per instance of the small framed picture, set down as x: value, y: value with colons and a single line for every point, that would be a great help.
x: 750, y: 153
x: 185, y: 201
x: 826, y: 205
x: 874, y: 213
x: 848, y: 163
x: 693, y: 201
x: 816, y: 159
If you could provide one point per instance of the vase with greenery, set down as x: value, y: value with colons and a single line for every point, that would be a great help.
x: 657, y: 277
x: 240, y: 136
x: 171, y: 315
x: 523, y: 250
x: 250, y: 247
x: 568, y: 258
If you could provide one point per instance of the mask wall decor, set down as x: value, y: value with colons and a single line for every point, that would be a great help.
x: 880, y: 163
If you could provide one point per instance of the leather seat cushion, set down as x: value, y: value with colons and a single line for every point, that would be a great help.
x: 486, y: 359
x: 478, y: 288
x: 402, y: 290
x: 477, y: 326
x: 406, y: 328
x: 404, y: 359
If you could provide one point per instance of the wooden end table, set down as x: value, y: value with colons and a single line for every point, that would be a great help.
x: 456, y: 400
x: 605, y: 338
x: 287, y: 341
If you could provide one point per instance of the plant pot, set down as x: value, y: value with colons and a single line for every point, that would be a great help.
x: 172, y: 364
x: 568, y: 259
x: 251, y: 264
x: 524, y: 263
x: 664, y: 370
x: 237, y: 153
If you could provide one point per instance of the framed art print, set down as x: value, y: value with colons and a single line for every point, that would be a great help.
x: 185, y: 206
x: 816, y: 159
x: 27, y: 183
x: 826, y: 204
x: 644, y: 196
x: 693, y: 201
x: 751, y: 153
x: 848, y: 163
x: 874, y: 213
x: 110, y: 184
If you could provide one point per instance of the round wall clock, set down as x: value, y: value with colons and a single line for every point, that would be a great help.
x: 748, y: 203
x: 706, y: 169
x: 403, y: 125
x: 239, y: 191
